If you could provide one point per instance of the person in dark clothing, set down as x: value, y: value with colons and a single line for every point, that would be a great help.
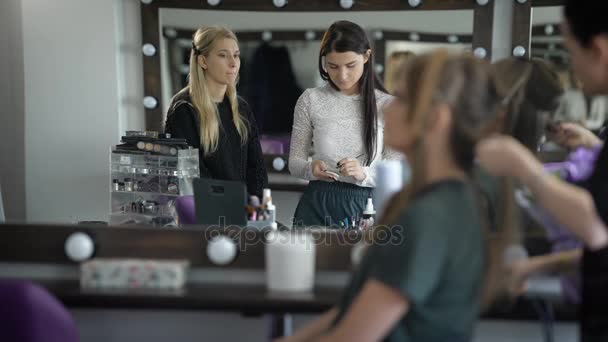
x: 584, y: 212
x: 210, y: 115
x: 272, y: 73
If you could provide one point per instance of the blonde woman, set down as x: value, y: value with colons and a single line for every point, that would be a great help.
x: 210, y: 115
x: 428, y: 279
x: 395, y: 62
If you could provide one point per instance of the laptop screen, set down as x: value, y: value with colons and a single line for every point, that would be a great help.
x: 220, y: 202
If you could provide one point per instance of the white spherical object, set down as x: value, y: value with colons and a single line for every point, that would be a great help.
x: 347, y: 4
x: 482, y: 2
x: 150, y: 102
x: 453, y: 39
x: 213, y: 2
x: 379, y: 68
x: 549, y: 29
x: 378, y: 35
x: 146, y: 2
x: 310, y: 35
x: 414, y: 3
x: 148, y: 50
x: 414, y: 37
x: 79, y: 247
x: 480, y: 52
x: 519, y: 51
x: 221, y: 250
x: 522, y: 1
x: 266, y: 36
x: 171, y: 32
x: 278, y: 163
x: 279, y: 3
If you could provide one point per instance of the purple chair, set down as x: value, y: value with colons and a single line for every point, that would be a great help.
x: 28, y: 313
x: 275, y: 144
x: 186, y: 211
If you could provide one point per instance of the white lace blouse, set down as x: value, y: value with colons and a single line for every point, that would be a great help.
x: 331, y: 123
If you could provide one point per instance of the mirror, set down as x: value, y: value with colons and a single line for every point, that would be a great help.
x: 293, y: 39
x: 279, y: 51
x: 547, y: 43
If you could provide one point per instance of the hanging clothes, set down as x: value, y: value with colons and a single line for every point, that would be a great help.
x: 271, y: 89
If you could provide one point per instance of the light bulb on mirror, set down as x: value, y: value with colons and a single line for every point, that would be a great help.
x: 519, y: 51
x: 279, y: 3
x: 414, y: 3
x: 347, y: 4
x: 150, y: 102
x: 278, y: 164
x: 148, y: 50
x: 79, y: 247
x: 480, y: 53
x: 221, y: 250
x: 170, y: 32
x: 266, y: 36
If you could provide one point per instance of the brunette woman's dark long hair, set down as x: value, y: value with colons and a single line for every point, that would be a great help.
x: 346, y: 36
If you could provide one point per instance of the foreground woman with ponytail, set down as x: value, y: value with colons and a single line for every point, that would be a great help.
x: 211, y: 117
x: 429, y: 278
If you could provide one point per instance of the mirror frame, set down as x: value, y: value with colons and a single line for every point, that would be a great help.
x: 522, y: 23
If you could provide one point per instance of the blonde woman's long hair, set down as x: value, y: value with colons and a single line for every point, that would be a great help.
x: 202, y: 43
x: 467, y: 86
x: 396, y: 61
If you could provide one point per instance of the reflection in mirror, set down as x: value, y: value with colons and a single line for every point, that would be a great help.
x: 279, y: 52
x: 547, y: 43
x: 279, y: 60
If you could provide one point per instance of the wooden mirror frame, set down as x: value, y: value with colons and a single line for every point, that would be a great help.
x: 522, y: 22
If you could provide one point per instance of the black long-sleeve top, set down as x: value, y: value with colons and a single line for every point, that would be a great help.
x: 594, y: 312
x: 232, y: 160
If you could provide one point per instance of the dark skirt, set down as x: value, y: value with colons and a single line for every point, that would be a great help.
x: 330, y: 203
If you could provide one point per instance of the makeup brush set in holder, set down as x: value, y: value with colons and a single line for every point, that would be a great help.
x: 148, y: 172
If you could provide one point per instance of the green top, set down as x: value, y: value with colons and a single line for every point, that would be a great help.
x: 434, y: 257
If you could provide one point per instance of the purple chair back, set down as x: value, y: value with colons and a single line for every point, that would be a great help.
x: 186, y: 211
x: 275, y: 144
x: 28, y: 313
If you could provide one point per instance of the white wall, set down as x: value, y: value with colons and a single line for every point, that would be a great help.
x: 74, y: 60
x: 12, y: 177
x: 547, y: 15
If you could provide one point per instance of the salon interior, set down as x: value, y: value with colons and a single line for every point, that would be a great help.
x: 107, y: 226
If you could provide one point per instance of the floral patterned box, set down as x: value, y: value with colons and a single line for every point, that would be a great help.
x: 133, y: 273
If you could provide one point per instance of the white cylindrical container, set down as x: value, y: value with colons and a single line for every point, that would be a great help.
x: 290, y: 261
x: 389, y: 179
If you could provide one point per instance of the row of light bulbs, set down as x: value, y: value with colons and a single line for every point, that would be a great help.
x: 149, y: 50
x: 346, y: 4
